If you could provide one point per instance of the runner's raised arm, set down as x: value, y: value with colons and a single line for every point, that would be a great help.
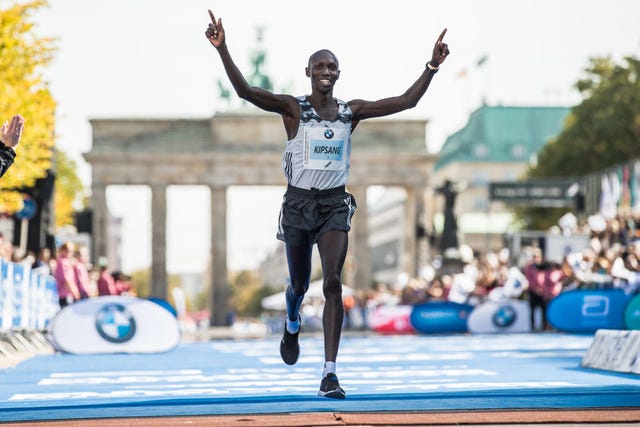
x: 367, y: 109
x: 261, y: 98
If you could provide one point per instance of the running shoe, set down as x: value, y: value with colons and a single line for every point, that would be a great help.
x: 289, y: 347
x: 330, y: 387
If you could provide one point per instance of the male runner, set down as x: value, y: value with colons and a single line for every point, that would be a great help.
x: 316, y: 208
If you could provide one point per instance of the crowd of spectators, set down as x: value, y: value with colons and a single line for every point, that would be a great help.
x: 610, y: 258
x: 76, y: 277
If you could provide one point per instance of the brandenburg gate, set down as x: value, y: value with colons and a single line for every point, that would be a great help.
x: 245, y: 148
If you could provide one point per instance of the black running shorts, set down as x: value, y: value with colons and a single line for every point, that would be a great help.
x: 306, y: 214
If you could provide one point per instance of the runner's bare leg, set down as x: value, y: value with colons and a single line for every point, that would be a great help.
x: 332, y: 246
x: 299, y: 261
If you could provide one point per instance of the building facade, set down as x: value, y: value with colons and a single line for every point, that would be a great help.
x: 498, y: 143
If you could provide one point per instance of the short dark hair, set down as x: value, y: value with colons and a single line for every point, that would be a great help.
x: 319, y: 52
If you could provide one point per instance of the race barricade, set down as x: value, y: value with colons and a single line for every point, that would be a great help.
x: 28, y: 302
x: 28, y: 297
x: 588, y: 310
x: 575, y: 311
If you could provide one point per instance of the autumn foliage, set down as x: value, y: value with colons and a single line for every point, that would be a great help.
x: 23, y: 57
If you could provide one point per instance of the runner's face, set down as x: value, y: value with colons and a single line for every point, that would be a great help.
x: 323, y: 71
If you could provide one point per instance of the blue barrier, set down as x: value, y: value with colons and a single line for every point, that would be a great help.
x: 632, y: 313
x: 576, y: 311
x: 588, y: 310
x: 440, y: 317
x: 28, y: 297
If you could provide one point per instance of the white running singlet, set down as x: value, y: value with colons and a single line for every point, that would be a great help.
x: 319, y: 155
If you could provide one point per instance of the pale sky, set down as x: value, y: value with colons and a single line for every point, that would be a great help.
x: 144, y: 58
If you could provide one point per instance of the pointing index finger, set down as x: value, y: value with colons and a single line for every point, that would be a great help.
x: 439, y: 38
x: 213, y: 18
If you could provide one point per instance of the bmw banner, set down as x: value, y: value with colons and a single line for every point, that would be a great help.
x: 115, y: 324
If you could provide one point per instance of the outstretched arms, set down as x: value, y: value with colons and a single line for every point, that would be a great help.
x: 261, y: 98
x: 367, y: 109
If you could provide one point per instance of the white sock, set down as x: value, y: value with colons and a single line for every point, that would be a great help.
x: 329, y: 368
x: 293, y: 327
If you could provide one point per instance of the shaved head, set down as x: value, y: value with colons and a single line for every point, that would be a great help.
x: 320, y: 53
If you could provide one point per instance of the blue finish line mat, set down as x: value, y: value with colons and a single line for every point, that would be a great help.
x: 379, y: 373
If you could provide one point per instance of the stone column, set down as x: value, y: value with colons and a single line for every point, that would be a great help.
x: 421, y: 258
x: 220, y: 290
x: 409, y: 240
x: 100, y: 216
x: 359, y: 256
x: 430, y: 212
x: 159, y: 281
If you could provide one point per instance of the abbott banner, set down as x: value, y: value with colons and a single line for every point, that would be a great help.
x: 115, y: 324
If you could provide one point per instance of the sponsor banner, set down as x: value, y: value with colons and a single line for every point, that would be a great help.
x: 588, y: 310
x: 391, y: 319
x: 28, y: 298
x: 6, y: 295
x: 21, y: 284
x: 440, y: 317
x: 115, y: 324
x: 632, y: 314
x: 505, y: 316
x: 546, y: 193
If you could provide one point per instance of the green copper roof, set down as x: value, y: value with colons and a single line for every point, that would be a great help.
x: 502, y: 134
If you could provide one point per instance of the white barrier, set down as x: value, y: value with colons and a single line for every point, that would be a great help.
x: 28, y: 297
x: 614, y: 350
x: 115, y: 324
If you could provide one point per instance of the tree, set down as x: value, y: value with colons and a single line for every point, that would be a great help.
x: 141, y: 281
x: 248, y: 292
x: 69, y: 191
x: 23, y: 91
x: 602, y: 131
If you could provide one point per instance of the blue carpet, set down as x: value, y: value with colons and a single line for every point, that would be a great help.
x: 379, y: 373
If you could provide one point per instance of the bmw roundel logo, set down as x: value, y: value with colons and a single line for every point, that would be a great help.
x: 504, y: 316
x: 328, y: 134
x: 115, y: 324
